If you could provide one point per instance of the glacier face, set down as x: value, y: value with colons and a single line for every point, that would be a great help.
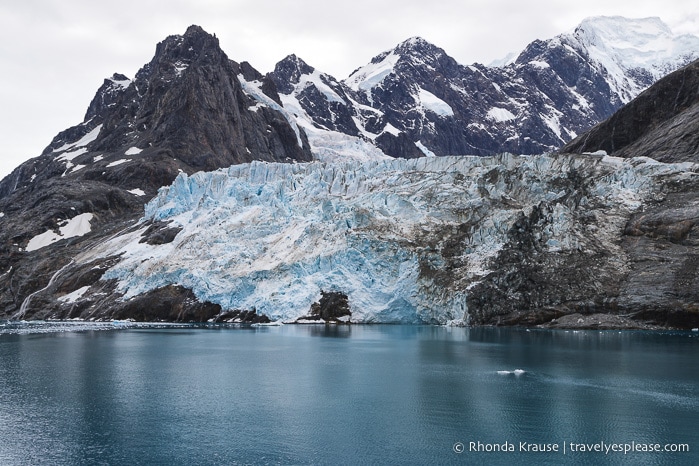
x: 406, y: 240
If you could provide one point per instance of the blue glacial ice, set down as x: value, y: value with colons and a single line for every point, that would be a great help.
x: 272, y: 236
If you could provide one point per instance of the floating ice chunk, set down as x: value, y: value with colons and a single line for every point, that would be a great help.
x: 133, y: 151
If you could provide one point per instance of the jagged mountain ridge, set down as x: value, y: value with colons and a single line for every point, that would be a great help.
x: 185, y: 105
x: 416, y: 100
x: 584, y: 241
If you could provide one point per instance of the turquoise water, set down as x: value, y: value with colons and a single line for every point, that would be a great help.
x: 105, y: 394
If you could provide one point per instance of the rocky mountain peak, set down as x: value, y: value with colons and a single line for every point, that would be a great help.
x: 189, y: 104
x: 192, y: 109
x: 634, y: 53
x: 287, y: 73
x: 106, y: 95
x: 195, y: 41
x: 414, y: 54
x: 174, y: 55
x: 418, y: 47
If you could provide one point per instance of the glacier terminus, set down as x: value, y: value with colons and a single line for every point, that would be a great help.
x: 408, y: 241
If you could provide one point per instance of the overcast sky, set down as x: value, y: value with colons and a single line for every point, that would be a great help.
x: 56, y: 53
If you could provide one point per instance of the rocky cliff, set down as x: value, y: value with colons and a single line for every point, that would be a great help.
x: 662, y: 122
x: 660, y: 240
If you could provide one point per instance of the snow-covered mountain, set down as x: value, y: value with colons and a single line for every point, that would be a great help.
x: 416, y: 100
x: 634, y: 53
x: 662, y: 122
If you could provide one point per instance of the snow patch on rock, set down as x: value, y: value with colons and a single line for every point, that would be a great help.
x: 500, y: 114
x: 76, y: 226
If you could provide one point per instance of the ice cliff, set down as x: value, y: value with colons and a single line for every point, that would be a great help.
x: 424, y: 240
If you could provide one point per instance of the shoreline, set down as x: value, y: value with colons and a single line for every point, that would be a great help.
x: 580, y: 322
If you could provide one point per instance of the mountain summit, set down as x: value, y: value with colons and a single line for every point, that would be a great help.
x: 634, y: 52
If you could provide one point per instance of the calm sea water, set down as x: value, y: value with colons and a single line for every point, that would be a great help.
x: 100, y: 394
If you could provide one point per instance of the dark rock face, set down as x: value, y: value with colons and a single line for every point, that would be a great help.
x: 185, y: 110
x: 237, y: 316
x: 530, y: 284
x: 291, y: 77
x: 169, y: 304
x: 661, y: 123
x: 660, y: 241
x: 649, y: 280
x: 332, y: 306
x: 188, y: 102
x: 598, y: 322
x: 160, y: 233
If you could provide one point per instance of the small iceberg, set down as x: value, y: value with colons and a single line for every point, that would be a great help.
x: 516, y: 372
x: 122, y: 322
x: 276, y: 323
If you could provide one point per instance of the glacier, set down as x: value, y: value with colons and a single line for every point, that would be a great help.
x: 405, y: 240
